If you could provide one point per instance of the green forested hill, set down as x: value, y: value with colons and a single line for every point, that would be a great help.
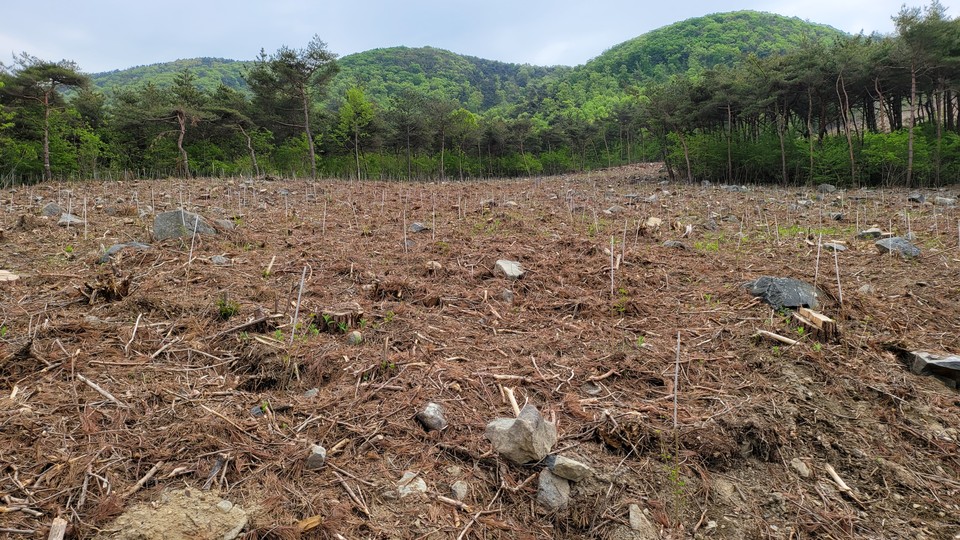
x: 477, y: 83
x: 705, y: 42
x: 209, y: 72
x: 480, y: 84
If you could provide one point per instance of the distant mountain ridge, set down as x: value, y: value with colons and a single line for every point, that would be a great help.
x: 690, y: 45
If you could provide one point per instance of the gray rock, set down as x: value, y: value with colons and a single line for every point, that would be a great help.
x: 784, y: 292
x: 916, y: 197
x: 945, y: 201
x: 675, y: 244
x: 179, y: 223
x: 833, y: 246
x: 311, y: 393
x: 459, y: 490
x: 641, y: 524
x: 220, y: 260
x: 805, y: 202
x: 411, y: 484
x: 417, y: 227
x: 867, y: 289
x: 946, y: 368
x: 570, y: 469
x: 528, y: 437
x: 614, y: 210
x: 355, y: 337
x: 706, y: 183
x: 507, y: 296
x: 734, y: 188
x: 510, y: 269
x: 116, y: 248
x: 51, y: 209
x: 553, y: 491
x: 710, y: 224
x: 801, y: 467
x: 898, y: 246
x: 431, y: 417
x: 651, y: 199
x: 826, y: 188
x: 870, y: 234
x: 317, y: 457
x: 69, y: 219
x: 226, y: 224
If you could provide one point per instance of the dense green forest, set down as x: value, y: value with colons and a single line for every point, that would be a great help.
x: 736, y: 97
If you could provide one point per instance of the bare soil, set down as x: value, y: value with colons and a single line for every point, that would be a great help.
x: 204, y: 379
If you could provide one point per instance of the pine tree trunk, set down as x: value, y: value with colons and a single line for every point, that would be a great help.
x: 306, y: 129
x: 47, y: 171
x: 185, y: 165
x: 913, y: 122
x: 253, y: 154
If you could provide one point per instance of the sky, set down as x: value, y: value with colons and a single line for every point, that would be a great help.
x: 103, y: 35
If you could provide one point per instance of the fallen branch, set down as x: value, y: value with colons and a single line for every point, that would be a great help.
x: 146, y: 478
x: 776, y: 337
x: 57, y: 529
x: 102, y: 392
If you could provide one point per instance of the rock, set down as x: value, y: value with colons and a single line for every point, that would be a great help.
x: 220, y: 260
x: 179, y: 223
x: 459, y: 490
x: 946, y: 368
x: 116, y: 248
x: 867, y: 289
x: 911, y: 236
x: 528, y: 437
x: 898, y: 246
x: 417, y: 227
x: 870, y: 234
x: 651, y: 199
x: 836, y: 216
x: 355, y: 337
x: 784, y: 292
x: 431, y: 417
x: 433, y: 267
x: 944, y: 201
x: 826, y: 188
x: 311, y: 393
x: 51, y: 209
x: 916, y: 197
x: 511, y: 204
x: 614, y: 210
x: 510, y: 269
x: 570, y: 469
x: 553, y: 491
x: 640, y: 523
x: 834, y: 246
x: 507, y: 296
x: 734, y: 188
x: 675, y: 244
x: 411, y: 484
x: 225, y: 224
x: 801, y: 467
x: 179, y: 515
x: 317, y: 457
x: 805, y: 202
x: 710, y: 224
x: 705, y: 183
x: 69, y: 219
x: 652, y: 223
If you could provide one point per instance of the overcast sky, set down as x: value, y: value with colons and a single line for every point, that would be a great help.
x: 102, y: 35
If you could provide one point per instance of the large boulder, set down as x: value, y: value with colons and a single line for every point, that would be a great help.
x: 782, y: 292
x: 898, y: 246
x: 179, y: 223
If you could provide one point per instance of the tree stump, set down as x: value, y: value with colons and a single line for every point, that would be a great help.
x: 822, y: 328
x: 341, y: 317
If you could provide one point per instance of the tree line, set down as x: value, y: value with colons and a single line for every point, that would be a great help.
x: 855, y: 110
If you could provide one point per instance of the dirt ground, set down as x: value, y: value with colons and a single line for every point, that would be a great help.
x: 160, y: 370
